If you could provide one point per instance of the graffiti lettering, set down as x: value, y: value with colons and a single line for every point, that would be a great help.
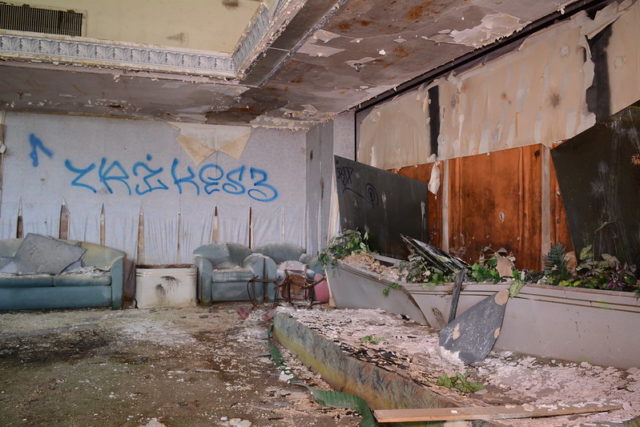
x: 211, y: 182
x: 81, y: 173
x: 262, y: 191
x: 234, y: 186
x: 151, y: 173
x: 105, y: 177
x: 187, y: 179
x: 36, y: 143
x: 111, y: 176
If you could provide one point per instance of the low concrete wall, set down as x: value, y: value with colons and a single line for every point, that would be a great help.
x: 379, y: 388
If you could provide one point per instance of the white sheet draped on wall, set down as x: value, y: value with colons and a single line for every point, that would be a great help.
x: 90, y: 162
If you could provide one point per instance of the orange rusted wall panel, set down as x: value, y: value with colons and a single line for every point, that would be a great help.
x: 495, y: 199
x: 434, y: 201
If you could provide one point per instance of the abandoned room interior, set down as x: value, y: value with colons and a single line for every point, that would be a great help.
x: 319, y: 212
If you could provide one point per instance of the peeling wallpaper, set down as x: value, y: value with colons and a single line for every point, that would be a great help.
x: 396, y: 133
x: 536, y: 94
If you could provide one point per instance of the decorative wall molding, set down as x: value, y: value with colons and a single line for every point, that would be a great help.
x: 50, y: 49
x: 267, y: 22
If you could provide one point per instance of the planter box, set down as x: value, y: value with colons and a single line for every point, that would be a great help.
x: 353, y: 287
x: 596, y: 326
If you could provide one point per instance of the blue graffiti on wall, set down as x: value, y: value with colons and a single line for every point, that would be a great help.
x: 144, y: 178
x: 36, y: 143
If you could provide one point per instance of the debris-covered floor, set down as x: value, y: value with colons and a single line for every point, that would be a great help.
x: 177, y: 367
x: 412, y: 351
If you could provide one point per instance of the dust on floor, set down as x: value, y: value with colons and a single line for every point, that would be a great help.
x: 173, y: 367
x: 413, y: 351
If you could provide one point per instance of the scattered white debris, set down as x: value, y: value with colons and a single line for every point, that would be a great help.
x: 510, y: 378
x: 153, y: 422
x: 382, y: 52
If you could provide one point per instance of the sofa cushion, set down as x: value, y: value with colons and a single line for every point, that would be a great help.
x: 25, y: 281
x: 281, y: 252
x: 84, y: 276
x: 231, y: 275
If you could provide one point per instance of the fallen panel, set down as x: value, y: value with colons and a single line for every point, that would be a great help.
x: 599, y: 176
x: 382, y: 203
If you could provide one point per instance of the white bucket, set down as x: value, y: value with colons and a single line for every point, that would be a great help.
x: 166, y: 285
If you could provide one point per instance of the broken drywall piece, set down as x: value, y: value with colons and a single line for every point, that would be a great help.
x: 359, y: 63
x: 200, y: 141
x: 492, y: 27
x: 312, y: 49
x: 324, y: 35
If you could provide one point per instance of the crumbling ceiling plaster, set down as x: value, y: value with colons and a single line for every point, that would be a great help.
x: 337, y: 55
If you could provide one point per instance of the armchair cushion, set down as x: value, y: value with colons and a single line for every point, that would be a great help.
x: 231, y: 275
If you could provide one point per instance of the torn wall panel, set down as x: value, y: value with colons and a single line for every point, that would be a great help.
x: 533, y: 95
x: 396, y: 134
x: 623, y: 54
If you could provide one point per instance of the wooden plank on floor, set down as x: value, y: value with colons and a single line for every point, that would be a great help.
x: 483, y: 413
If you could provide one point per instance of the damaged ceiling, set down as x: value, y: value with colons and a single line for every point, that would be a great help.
x: 322, y: 58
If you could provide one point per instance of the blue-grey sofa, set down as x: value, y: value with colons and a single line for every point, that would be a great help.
x: 72, y: 289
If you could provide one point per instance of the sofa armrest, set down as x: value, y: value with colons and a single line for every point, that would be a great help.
x: 262, y: 266
x: 205, y: 269
x: 313, y: 265
x: 117, y: 282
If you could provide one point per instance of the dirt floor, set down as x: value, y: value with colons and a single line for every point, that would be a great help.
x: 173, y: 367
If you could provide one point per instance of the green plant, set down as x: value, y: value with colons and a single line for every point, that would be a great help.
x: 393, y: 285
x: 555, y: 265
x: 605, y: 273
x: 486, y: 272
x: 418, y: 270
x: 518, y: 282
x: 348, y: 242
x: 371, y: 339
x: 459, y: 382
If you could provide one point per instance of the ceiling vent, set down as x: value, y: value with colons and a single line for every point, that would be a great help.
x: 37, y: 20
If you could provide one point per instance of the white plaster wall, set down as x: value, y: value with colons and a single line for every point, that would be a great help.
x: 336, y: 137
x: 175, y: 223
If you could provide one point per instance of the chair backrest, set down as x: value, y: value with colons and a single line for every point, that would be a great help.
x: 99, y: 256
x: 217, y: 253
x: 281, y: 252
x: 238, y: 252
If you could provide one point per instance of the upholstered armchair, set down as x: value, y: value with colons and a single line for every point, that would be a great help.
x: 225, y: 270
